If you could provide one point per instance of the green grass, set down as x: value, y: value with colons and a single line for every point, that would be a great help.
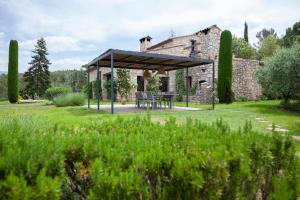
x: 237, y: 113
x: 234, y: 114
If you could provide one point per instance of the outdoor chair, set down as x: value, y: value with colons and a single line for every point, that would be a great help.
x: 139, y: 100
x: 165, y: 99
x: 150, y: 100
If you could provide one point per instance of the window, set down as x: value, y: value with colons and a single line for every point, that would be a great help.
x: 108, y: 77
x: 193, y: 45
x: 140, y: 83
x: 164, y: 84
x: 201, y: 82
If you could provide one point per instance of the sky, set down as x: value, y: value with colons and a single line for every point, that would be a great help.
x: 79, y: 30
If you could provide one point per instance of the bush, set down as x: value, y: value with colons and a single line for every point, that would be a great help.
x: 225, y: 93
x: 53, y: 92
x: 138, y: 159
x: 13, y: 76
x: 71, y: 99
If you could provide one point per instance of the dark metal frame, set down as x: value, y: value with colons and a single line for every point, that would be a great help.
x: 108, y: 57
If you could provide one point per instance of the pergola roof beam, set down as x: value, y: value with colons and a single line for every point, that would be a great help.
x: 146, y: 63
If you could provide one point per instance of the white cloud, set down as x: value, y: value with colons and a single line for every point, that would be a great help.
x: 55, y: 44
x: 3, y: 53
x: 67, y: 63
x: 82, y: 29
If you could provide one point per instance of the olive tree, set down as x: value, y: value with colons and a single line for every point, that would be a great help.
x: 280, y: 76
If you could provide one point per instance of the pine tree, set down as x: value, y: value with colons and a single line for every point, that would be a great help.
x: 246, y: 32
x: 12, y: 80
x: 225, y: 93
x: 38, y: 76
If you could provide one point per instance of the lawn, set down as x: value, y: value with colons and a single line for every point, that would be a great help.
x: 262, y: 114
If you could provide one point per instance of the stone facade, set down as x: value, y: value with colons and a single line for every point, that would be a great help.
x: 207, y: 42
x: 245, y: 84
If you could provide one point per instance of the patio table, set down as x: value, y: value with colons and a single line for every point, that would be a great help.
x: 166, y: 97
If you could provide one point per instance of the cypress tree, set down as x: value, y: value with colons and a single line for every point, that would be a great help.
x: 225, y: 68
x: 12, y: 80
x: 38, y: 76
x: 246, y: 32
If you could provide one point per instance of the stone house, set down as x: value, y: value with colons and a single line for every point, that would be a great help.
x: 206, y: 42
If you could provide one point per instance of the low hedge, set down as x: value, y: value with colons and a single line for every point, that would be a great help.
x: 53, y: 92
x: 71, y: 99
x: 138, y: 159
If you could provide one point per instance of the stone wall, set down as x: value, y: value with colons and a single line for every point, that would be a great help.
x: 245, y: 84
x: 208, y: 45
x: 204, y: 97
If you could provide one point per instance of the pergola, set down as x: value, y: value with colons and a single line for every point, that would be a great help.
x: 114, y: 58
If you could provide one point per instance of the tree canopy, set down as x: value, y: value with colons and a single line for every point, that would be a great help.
x: 264, y: 33
x: 280, y: 77
x: 292, y: 35
x: 76, y: 79
x: 241, y: 49
x: 37, y: 77
x: 269, y: 46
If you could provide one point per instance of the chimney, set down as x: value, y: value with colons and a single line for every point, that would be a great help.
x: 145, y: 43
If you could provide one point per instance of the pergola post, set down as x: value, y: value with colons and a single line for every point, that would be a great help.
x: 88, y: 86
x: 213, y: 86
x: 187, y: 87
x: 98, y: 89
x: 112, y: 94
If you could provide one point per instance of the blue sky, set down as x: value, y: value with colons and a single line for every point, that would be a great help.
x: 77, y: 31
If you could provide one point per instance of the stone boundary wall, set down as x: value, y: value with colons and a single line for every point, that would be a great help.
x: 205, y: 96
x: 245, y: 84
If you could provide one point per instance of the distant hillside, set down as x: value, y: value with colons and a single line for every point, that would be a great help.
x: 3, y: 72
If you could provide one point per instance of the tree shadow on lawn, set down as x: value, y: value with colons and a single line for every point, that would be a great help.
x: 271, y: 109
x: 85, y: 111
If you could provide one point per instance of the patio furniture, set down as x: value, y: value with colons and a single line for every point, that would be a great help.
x: 139, y: 100
x: 150, y: 100
x: 115, y: 58
x: 167, y: 98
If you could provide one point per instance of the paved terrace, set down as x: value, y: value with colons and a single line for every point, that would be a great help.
x: 130, y: 108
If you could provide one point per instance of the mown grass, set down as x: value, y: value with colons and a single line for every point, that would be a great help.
x: 234, y: 114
